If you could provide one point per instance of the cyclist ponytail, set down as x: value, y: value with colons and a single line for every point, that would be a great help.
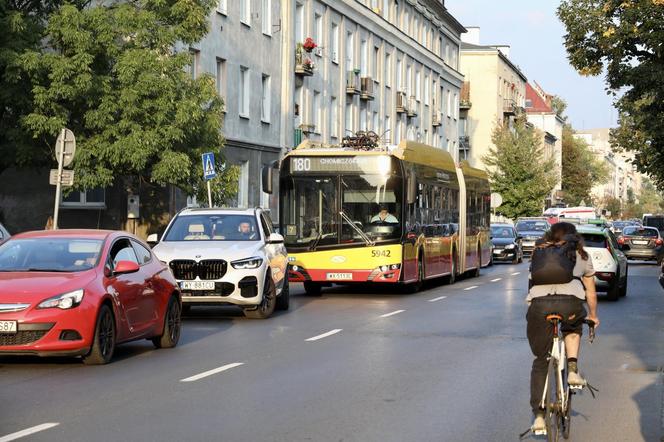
x: 562, y: 233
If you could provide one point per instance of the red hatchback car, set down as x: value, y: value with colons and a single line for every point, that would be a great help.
x: 81, y: 292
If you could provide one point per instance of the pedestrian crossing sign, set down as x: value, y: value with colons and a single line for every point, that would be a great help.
x: 208, y: 166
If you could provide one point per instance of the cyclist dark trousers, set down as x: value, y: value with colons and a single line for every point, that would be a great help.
x: 540, y: 335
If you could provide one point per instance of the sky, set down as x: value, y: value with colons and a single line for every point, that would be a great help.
x: 535, y: 35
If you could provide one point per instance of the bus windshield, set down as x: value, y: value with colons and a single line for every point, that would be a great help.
x: 341, y: 206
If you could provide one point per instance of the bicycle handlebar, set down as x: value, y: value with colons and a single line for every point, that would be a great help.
x: 591, y: 329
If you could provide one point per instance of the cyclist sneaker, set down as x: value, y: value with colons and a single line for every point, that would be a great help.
x: 575, y: 380
x: 539, y: 425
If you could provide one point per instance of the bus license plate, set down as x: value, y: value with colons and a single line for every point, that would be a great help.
x: 339, y: 276
x: 8, y: 327
x: 197, y: 285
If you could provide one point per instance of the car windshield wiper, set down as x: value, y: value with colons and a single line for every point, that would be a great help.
x: 363, y: 235
x: 34, y: 269
x: 315, y: 241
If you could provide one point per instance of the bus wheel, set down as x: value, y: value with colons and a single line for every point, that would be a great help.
x: 312, y: 288
x: 476, y: 272
x: 452, y: 278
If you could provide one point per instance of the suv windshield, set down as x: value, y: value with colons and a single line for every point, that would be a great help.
x: 49, y: 255
x: 532, y: 226
x: 502, y: 232
x: 216, y: 227
x: 640, y: 231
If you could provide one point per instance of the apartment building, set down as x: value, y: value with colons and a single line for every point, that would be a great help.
x: 494, y: 90
x: 242, y: 51
x: 387, y: 66
x: 623, y: 176
x: 541, y: 116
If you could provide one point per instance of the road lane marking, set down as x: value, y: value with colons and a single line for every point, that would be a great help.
x: 496, y: 280
x: 211, y: 372
x: 28, y: 431
x: 471, y: 287
x: 516, y: 273
x: 387, y: 315
x: 324, y: 335
x: 437, y: 299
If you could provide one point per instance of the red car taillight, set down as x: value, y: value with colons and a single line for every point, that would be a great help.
x: 658, y: 241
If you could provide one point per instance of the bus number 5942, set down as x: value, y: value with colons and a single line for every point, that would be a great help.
x: 380, y: 253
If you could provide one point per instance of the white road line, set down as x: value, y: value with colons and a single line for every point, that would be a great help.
x: 516, y: 273
x: 211, y: 372
x: 471, y: 287
x: 387, y: 315
x: 496, y: 280
x: 437, y: 299
x: 28, y: 431
x: 324, y: 335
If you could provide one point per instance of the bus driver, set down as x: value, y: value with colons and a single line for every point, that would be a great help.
x: 384, y: 216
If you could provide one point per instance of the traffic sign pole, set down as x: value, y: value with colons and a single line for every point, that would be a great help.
x: 209, y: 194
x: 58, y: 184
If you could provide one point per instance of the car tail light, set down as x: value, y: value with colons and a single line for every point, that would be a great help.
x: 658, y: 241
x: 604, y: 276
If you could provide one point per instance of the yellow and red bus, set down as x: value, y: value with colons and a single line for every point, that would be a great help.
x: 400, y: 215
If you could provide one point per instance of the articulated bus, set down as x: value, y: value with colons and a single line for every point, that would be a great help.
x: 400, y: 215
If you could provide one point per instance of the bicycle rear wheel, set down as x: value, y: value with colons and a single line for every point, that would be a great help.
x: 551, y: 416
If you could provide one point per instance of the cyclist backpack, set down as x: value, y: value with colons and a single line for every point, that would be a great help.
x: 553, y: 265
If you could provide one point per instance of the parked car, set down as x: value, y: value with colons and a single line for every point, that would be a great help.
x: 81, y: 292
x: 506, y: 243
x: 531, y: 230
x: 4, y: 234
x: 227, y: 256
x: 642, y: 243
x: 609, y: 262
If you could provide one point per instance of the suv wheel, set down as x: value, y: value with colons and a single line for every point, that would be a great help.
x: 265, y: 309
x: 613, y: 293
x: 283, y: 300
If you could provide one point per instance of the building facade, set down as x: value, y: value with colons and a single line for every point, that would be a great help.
x: 494, y: 91
x: 623, y: 178
x: 387, y: 66
x: 541, y: 116
x: 242, y: 52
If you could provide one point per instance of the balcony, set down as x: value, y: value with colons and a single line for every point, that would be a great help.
x: 367, y: 92
x: 402, y: 103
x: 464, y: 100
x: 437, y: 119
x: 509, y: 107
x: 352, y: 82
x: 304, y: 66
x: 412, y: 108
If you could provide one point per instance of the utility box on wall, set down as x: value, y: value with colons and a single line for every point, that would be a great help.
x: 133, y: 207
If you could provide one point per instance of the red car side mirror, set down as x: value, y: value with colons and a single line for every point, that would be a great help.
x: 123, y: 267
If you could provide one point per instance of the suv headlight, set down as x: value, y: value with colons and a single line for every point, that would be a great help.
x: 509, y: 246
x: 249, y: 263
x: 64, y: 301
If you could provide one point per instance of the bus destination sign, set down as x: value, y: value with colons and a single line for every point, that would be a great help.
x: 359, y: 164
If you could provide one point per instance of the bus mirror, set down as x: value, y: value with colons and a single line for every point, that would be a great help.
x: 266, y: 177
x: 410, y: 189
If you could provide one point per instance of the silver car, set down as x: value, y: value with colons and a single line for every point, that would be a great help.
x: 226, y: 256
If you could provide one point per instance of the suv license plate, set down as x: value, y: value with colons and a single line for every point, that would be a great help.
x: 339, y: 276
x: 197, y: 285
x: 8, y: 327
x: 640, y: 242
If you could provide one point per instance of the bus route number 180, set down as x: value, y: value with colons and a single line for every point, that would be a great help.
x: 301, y: 164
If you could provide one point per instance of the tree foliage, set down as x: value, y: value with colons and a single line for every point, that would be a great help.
x: 650, y: 200
x: 112, y: 73
x: 581, y: 169
x: 624, y: 39
x: 518, y: 169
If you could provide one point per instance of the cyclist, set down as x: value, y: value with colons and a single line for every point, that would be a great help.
x: 565, y: 299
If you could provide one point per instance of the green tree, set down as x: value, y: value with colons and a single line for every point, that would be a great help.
x: 613, y: 205
x: 518, y: 169
x: 581, y: 170
x: 559, y: 105
x: 113, y: 74
x: 624, y: 39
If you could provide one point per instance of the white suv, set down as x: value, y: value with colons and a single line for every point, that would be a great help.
x: 226, y: 256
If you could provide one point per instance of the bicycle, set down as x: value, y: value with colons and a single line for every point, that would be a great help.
x: 557, y: 396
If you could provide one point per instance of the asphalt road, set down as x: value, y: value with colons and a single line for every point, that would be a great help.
x: 450, y: 363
